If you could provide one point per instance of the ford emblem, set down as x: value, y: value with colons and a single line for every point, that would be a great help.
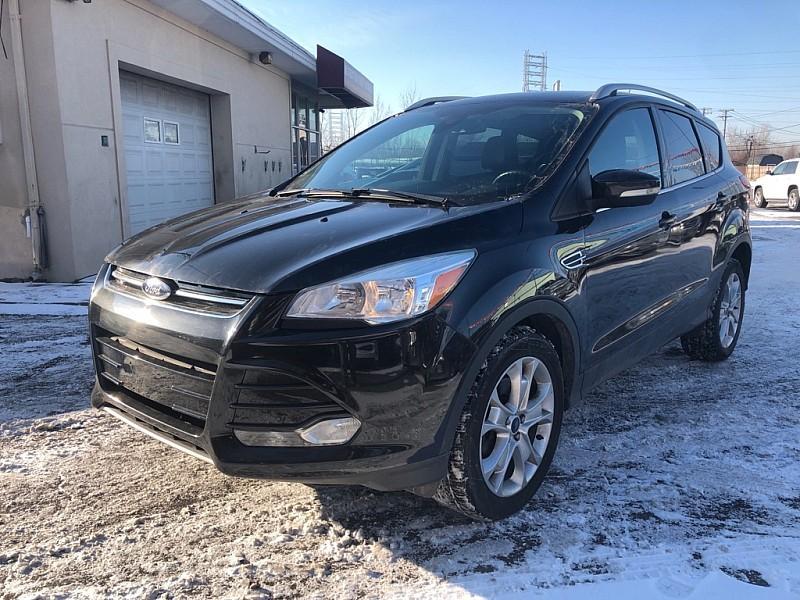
x: 156, y: 288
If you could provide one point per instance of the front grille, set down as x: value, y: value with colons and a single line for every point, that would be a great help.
x: 173, y: 386
x: 185, y: 296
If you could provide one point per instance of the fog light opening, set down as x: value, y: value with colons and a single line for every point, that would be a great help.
x: 332, y: 431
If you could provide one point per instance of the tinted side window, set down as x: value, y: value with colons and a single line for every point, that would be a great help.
x: 711, y: 145
x: 627, y: 142
x: 791, y: 168
x: 780, y: 169
x: 683, y: 150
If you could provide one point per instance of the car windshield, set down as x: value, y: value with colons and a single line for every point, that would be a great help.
x: 464, y: 152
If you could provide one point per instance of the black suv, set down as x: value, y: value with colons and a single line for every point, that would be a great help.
x: 418, y: 308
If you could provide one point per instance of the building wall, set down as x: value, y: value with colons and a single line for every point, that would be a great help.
x: 75, y: 99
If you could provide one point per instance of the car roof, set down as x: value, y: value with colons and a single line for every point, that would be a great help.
x: 584, y: 97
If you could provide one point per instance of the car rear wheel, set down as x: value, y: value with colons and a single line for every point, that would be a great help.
x: 794, y: 200
x: 758, y: 198
x: 508, y: 430
x: 716, y: 339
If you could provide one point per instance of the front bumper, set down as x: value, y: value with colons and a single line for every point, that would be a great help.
x: 190, y: 380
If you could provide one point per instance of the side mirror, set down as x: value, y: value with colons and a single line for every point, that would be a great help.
x: 769, y: 172
x: 622, y: 187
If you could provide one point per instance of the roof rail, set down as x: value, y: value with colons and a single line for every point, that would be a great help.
x: 433, y: 100
x: 611, y: 89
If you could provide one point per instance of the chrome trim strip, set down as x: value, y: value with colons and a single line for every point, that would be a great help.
x: 640, y: 192
x: 127, y: 278
x: 691, y: 181
x: 170, y: 305
x: 210, y: 297
x: 182, y: 446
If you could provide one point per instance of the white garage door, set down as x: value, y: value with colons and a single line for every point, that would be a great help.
x: 167, y: 145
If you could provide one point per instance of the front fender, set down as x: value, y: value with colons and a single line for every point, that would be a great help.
x: 535, y: 307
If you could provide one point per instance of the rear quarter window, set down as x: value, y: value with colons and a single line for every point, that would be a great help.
x: 684, y: 159
x: 711, y: 145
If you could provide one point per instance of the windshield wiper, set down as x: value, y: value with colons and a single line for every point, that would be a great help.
x: 367, y: 193
x: 396, y: 195
x: 310, y: 191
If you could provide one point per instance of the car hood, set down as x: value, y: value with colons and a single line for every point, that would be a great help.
x: 261, y: 244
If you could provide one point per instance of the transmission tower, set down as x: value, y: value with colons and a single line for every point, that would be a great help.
x: 534, y: 72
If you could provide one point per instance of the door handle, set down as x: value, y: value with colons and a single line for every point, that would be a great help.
x: 721, y: 199
x: 667, y: 220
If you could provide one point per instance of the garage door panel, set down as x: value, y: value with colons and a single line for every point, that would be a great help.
x: 134, y: 164
x: 187, y: 135
x: 165, y: 180
x: 189, y: 164
x: 155, y: 164
x: 173, y: 164
x: 151, y: 94
x: 204, y: 164
x: 129, y: 90
x: 203, y: 140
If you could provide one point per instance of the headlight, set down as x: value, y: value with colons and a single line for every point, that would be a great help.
x: 389, y: 293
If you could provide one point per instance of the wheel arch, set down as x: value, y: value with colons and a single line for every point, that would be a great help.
x: 548, y: 317
x: 744, y: 254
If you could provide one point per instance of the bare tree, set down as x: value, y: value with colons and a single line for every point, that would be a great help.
x: 352, y: 122
x: 379, y: 111
x: 746, y: 144
x: 408, y: 96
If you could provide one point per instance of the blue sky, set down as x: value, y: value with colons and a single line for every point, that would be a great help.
x: 744, y: 56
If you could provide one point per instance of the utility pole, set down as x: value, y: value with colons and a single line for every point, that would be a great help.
x: 725, y: 112
x: 534, y: 71
x: 705, y: 110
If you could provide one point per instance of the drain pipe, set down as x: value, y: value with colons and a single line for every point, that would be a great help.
x: 35, y: 212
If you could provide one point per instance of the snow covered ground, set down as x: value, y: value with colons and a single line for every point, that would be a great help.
x: 677, y: 479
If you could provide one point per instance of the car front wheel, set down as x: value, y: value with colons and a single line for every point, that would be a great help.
x: 716, y: 339
x: 508, y: 431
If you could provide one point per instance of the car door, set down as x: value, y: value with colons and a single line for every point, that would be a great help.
x: 693, y: 204
x: 773, y: 184
x: 627, y: 275
x: 785, y: 180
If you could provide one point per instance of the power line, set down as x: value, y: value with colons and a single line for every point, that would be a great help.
x: 725, y: 112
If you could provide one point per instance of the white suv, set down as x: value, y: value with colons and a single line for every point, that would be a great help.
x: 782, y: 184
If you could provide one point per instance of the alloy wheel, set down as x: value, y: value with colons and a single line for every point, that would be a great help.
x: 517, y: 425
x: 794, y: 200
x: 730, y: 310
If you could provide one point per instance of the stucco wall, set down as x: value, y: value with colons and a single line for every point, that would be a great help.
x: 77, y: 101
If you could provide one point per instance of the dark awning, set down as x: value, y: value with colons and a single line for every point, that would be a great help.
x: 342, y: 84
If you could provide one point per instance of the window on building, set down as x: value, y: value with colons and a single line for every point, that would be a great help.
x: 711, y: 145
x: 628, y: 142
x: 683, y: 150
x: 305, y: 131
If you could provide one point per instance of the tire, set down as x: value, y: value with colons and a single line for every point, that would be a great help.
x: 793, y: 200
x: 480, y: 441
x: 758, y: 198
x: 707, y: 341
